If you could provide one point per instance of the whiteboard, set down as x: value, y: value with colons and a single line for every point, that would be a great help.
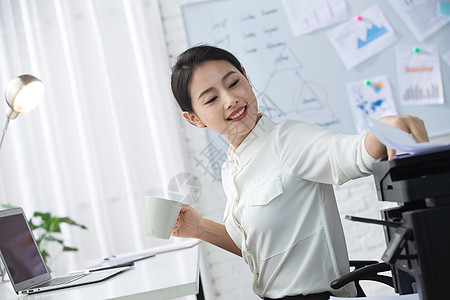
x: 303, y: 77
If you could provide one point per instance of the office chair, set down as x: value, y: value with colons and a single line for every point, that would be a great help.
x: 364, y: 270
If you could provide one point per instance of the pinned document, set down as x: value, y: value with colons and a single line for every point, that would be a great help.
x: 362, y: 37
x: 421, y: 16
x: 305, y: 16
x: 419, y: 75
x: 370, y: 98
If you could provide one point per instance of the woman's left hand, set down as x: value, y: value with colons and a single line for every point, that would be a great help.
x: 410, y: 124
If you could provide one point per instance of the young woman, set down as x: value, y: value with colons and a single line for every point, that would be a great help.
x: 281, y: 214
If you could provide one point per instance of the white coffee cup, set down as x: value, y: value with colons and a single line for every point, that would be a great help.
x: 161, y: 215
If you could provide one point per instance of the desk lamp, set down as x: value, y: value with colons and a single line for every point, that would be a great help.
x: 23, y: 94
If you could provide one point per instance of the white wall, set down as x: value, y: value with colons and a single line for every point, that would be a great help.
x: 226, y: 276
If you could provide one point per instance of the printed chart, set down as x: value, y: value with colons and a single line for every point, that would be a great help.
x: 372, y: 33
x: 419, y: 75
x: 361, y: 38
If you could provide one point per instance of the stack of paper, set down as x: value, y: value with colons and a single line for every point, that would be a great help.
x: 400, y: 140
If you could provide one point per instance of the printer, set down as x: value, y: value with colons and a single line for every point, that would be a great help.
x: 417, y: 231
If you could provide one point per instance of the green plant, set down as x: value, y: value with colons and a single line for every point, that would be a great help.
x: 47, y: 229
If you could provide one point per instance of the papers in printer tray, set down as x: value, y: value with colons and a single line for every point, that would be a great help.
x: 400, y: 140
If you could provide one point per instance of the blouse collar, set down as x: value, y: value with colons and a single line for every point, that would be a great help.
x: 251, y: 144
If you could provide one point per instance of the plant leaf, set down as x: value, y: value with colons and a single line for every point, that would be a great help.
x: 50, y: 238
x: 71, y: 222
x: 66, y: 248
x: 53, y: 225
x: 44, y: 216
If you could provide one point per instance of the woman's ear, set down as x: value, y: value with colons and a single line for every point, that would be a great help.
x: 193, y: 119
x: 243, y: 72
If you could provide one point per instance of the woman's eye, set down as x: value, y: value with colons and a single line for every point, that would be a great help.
x: 211, y: 100
x: 234, y: 83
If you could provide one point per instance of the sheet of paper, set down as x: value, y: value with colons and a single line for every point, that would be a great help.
x: 372, y: 99
x: 421, y: 16
x: 419, y: 75
x: 160, y: 249
x: 398, y: 139
x: 446, y: 57
x: 126, y: 258
x: 396, y: 297
x: 356, y: 41
x: 305, y: 16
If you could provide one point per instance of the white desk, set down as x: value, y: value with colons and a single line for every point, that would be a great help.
x: 164, y: 276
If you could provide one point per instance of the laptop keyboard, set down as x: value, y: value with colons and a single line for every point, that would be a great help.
x: 61, y: 280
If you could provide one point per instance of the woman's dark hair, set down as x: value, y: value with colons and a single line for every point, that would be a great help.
x: 185, y: 66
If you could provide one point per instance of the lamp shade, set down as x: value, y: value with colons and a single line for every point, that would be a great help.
x: 23, y: 94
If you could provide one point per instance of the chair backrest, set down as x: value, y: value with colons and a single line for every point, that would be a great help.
x: 364, y: 270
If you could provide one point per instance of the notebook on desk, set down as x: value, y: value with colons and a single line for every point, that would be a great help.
x: 24, y: 264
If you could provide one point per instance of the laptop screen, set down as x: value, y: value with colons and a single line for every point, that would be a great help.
x: 19, y: 250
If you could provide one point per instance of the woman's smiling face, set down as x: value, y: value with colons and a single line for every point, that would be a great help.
x: 223, y: 100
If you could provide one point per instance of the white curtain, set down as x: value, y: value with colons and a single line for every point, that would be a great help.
x: 107, y: 132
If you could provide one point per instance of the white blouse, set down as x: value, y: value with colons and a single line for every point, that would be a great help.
x: 281, y: 210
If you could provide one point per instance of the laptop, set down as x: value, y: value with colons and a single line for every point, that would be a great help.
x: 23, y: 261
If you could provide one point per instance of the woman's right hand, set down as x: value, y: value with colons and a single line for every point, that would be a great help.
x: 188, y: 224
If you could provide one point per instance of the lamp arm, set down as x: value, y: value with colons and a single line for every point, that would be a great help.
x: 10, y: 113
x: 4, y: 131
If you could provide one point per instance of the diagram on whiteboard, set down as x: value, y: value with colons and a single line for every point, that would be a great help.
x: 268, y: 106
x: 308, y: 99
x: 259, y: 40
